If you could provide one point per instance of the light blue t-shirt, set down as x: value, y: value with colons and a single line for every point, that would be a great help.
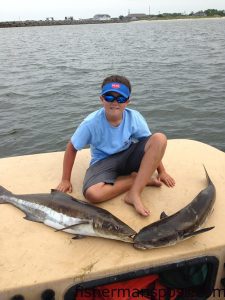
x: 105, y: 139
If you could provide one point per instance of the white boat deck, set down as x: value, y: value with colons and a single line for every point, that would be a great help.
x: 33, y: 257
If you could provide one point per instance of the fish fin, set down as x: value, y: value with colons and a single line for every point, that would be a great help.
x: 198, y: 232
x: 163, y: 215
x: 56, y: 194
x: 54, y: 191
x: 207, y: 175
x: 4, y: 191
x: 78, y: 237
x: 32, y: 218
x: 70, y: 226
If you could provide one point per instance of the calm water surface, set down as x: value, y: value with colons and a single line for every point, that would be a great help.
x: 50, y: 79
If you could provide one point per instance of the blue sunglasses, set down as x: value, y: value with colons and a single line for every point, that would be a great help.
x: 111, y: 98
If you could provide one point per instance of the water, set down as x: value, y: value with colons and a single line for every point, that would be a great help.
x: 50, y: 79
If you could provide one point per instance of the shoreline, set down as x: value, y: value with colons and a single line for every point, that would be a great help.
x: 32, y: 23
x: 178, y: 19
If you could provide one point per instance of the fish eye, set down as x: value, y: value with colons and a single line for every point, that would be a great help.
x: 117, y: 227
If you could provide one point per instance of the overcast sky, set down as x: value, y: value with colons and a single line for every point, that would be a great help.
x: 11, y: 10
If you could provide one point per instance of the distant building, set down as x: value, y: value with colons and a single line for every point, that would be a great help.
x: 101, y: 17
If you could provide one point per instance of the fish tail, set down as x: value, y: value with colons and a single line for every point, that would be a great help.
x: 4, y: 192
x: 207, y: 175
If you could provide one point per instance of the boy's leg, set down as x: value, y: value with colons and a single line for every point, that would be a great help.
x: 101, y: 181
x: 102, y: 191
x: 154, y: 151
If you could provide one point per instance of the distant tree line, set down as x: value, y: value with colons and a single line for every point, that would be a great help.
x: 213, y: 12
x: 210, y: 12
x: 202, y: 13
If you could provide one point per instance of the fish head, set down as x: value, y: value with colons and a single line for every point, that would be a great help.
x: 113, y: 228
x: 154, y: 237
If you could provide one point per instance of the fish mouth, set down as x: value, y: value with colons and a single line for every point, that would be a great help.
x: 140, y: 246
x: 127, y: 238
x: 131, y: 237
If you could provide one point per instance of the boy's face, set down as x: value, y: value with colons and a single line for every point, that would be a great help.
x: 114, y: 109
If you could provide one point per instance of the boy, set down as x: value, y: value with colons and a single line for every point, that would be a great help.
x: 124, y: 153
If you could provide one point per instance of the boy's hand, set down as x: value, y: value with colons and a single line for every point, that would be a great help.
x: 65, y: 186
x: 166, y: 178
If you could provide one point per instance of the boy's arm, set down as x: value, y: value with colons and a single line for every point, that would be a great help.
x: 164, y: 176
x: 68, y: 161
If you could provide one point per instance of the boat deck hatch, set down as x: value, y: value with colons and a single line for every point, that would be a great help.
x: 189, y: 278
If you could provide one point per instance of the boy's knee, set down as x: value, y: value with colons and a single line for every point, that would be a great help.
x: 92, y: 195
x: 159, y: 137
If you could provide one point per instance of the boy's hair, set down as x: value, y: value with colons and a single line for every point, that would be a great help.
x: 117, y: 78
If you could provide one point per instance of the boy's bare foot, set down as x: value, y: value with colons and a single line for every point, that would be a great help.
x: 166, y: 178
x: 135, y: 200
x: 154, y: 182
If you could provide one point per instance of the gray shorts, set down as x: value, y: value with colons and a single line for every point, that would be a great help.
x: 122, y: 163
